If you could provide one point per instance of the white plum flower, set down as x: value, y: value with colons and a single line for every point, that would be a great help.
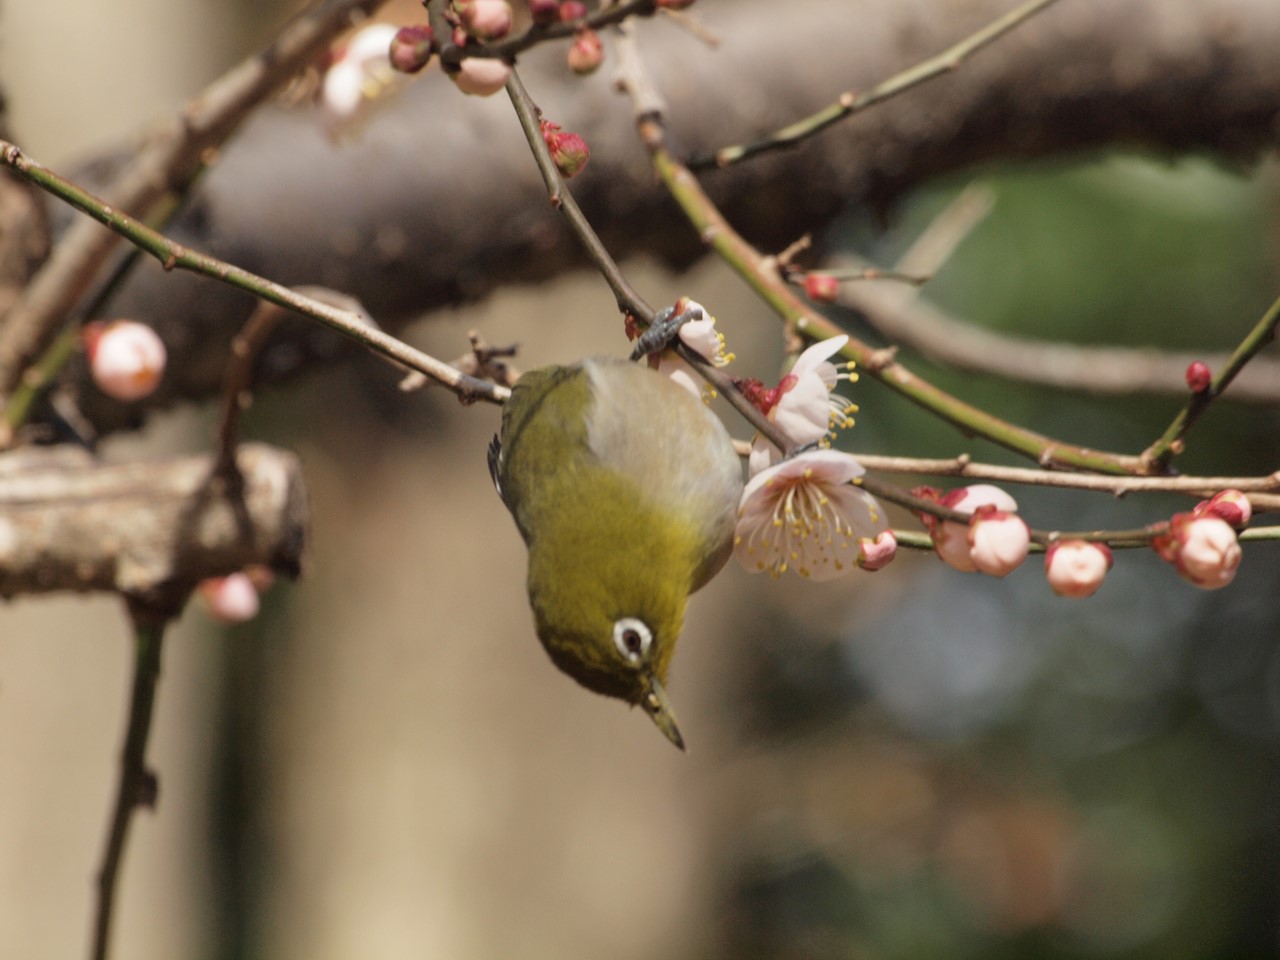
x: 804, y: 514
x: 804, y: 406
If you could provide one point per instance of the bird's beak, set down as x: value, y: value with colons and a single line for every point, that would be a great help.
x: 658, y: 707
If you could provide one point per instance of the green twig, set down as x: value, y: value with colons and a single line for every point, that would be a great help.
x: 851, y: 102
x: 1171, y: 442
x: 761, y: 274
x: 176, y: 256
x: 137, y: 786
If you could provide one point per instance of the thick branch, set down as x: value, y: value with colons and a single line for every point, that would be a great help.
x: 145, y: 530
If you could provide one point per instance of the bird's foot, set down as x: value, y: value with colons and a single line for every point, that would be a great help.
x: 663, y: 331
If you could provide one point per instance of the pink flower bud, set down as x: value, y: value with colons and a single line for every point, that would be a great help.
x: 230, y: 599
x: 126, y: 359
x: 876, y: 554
x: 568, y: 150
x: 586, y: 53
x: 544, y: 12
x: 951, y: 539
x: 411, y: 48
x: 484, y: 19
x: 998, y: 541
x: 1203, y: 549
x: 1075, y: 568
x: 571, y: 10
x: 1230, y: 505
x: 675, y: 4
x: 821, y: 287
x: 481, y: 76
x: 1198, y: 376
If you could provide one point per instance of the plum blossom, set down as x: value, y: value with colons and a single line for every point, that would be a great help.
x: 360, y: 75
x: 1076, y: 568
x: 1203, y: 549
x: 1230, y: 505
x: 230, y: 599
x: 126, y: 358
x: 804, y: 514
x: 998, y: 541
x: 803, y: 405
x: 951, y: 539
x: 700, y: 336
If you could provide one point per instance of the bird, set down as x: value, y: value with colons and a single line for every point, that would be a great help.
x: 625, y: 488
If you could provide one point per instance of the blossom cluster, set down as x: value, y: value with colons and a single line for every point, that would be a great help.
x: 801, y: 509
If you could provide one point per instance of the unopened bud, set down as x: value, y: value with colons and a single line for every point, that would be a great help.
x: 411, y: 48
x: 1198, y: 376
x: 484, y: 19
x: 1203, y: 549
x: 675, y: 4
x: 568, y: 150
x: 1076, y: 568
x: 821, y: 287
x: 877, y: 554
x: 998, y: 541
x: 571, y: 10
x: 481, y: 76
x: 1229, y: 505
x: 230, y: 599
x: 586, y: 53
x: 126, y: 358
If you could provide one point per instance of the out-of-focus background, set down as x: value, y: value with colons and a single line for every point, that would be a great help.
x: 912, y: 763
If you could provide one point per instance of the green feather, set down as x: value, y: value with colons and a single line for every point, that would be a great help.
x: 625, y: 488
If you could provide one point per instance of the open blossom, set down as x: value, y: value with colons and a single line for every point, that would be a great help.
x: 360, y: 74
x: 700, y: 336
x: 803, y: 405
x: 126, y: 358
x: 1076, y: 568
x: 1203, y: 549
x: 804, y: 514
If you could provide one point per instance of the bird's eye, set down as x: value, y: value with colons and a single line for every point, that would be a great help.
x: 633, y: 638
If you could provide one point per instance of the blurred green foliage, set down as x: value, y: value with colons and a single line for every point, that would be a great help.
x: 1074, y: 778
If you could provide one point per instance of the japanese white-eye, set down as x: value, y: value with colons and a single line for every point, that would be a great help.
x: 625, y: 488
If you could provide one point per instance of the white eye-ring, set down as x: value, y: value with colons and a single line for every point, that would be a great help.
x: 633, y: 638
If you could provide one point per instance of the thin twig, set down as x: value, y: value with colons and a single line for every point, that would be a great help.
x: 176, y: 256
x: 852, y: 102
x: 756, y: 270
x: 452, y: 55
x: 1116, y: 486
x: 1170, y: 443
x: 629, y: 301
x: 916, y: 323
x: 168, y: 164
x: 137, y: 785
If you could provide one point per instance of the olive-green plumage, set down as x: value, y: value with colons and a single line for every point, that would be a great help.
x: 625, y: 488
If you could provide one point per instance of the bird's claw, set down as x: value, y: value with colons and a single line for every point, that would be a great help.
x: 663, y: 331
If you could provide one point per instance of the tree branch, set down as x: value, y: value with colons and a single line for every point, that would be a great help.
x: 144, y: 530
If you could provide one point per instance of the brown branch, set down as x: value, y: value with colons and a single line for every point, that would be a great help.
x: 137, y: 785
x: 283, y: 199
x: 69, y: 522
x: 912, y: 321
x: 168, y: 164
